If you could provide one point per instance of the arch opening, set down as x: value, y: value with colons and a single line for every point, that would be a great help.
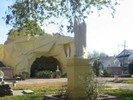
x: 44, y: 64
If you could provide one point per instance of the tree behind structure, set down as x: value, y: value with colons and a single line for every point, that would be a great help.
x: 97, y: 67
x: 130, y: 68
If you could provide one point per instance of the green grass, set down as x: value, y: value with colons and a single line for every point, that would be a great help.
x: 130, y: 81
x: 52, y: 88
x: 24, y: 97
x: 121, y: 94
x: 40, y: 90
x: 106, y: 87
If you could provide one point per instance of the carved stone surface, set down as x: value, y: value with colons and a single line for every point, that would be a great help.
x: 28, y: 92
x: 79, y: 37
x: 20, y: 52
x: 8, y: 72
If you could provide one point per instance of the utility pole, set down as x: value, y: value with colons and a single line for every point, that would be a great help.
x: 124, y: 58
x: 124, y: 46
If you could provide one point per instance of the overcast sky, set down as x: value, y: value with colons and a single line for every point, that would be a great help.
x: 104, y: 33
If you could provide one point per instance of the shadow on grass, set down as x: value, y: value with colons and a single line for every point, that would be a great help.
x: 121, y: 94
x: 122, y: 81
x: 24, y: 97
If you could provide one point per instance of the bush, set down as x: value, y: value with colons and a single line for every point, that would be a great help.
x: 130, y: 68
x: 105, y: 73
x: 63, y: 74
x: 17, y: 77
x: 125, y: 75
x: 90, y: 84
x: 2, y: 65
x: 5, y: 90
x: 44, y: 74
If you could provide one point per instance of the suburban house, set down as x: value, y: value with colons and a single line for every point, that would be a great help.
x: 110, y: 61
x: 125, y: 57
x: 111, y: 64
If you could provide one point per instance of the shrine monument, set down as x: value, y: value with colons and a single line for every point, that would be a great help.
x: 78, y: 65
x: 19, y: 51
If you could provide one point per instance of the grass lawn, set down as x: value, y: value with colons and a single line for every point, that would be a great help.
x: 52, y: 88
x: 130, y: 81
x: 40, y: 90
x: 121, y: 94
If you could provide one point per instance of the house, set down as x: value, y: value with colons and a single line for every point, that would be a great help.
x: 125, y: 57
x: 111, y: 64
x: 110, y: 61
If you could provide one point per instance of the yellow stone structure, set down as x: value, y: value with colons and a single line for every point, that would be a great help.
x: 76, y: 69
x: 19, y: 51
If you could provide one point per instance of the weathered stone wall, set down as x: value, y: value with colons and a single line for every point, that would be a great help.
x: 8, y: 72
x: 114, y: 70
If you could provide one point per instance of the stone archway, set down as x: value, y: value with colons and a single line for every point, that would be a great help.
x: 44, y: 63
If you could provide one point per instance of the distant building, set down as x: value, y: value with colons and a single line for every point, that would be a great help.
x: 125, y: 57
x: 111, y: 64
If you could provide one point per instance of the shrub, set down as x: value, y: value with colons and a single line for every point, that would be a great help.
x: 1, y: 73
x: 130, y: 68
x: 97, y: 67
x: 63, y: 93
x: 63, y: 74
x: 125, y: 75
x: 17, y: 77
x: 2, y: 65
x: 5, y: 90
x: 105, y: 73
x: 90, y: 84
x: 44, y: 74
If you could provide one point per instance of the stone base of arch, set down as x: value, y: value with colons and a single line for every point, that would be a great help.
x: 8, y: 72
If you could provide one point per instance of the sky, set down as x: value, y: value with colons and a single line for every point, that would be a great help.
x: 104, y: 33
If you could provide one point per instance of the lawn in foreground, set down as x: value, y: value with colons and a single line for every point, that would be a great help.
x: 127, y: 81
x: 40, y: 90
x: 121, y: 94
x: 52, y: 88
